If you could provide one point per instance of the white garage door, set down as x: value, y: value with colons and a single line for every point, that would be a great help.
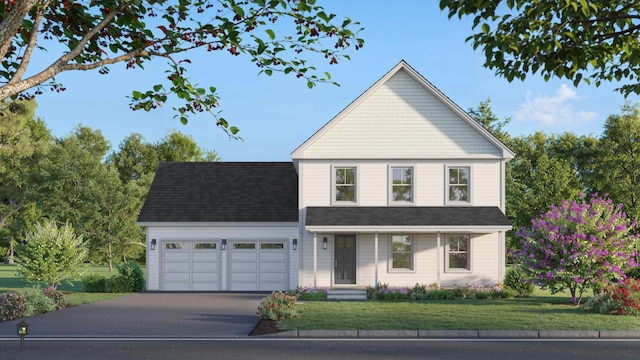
x: 257, y: 265
x: 190, y: 266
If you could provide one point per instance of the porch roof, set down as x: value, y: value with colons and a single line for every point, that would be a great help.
x: 406, y: 218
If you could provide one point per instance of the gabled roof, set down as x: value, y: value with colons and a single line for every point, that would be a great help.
x: 406, y: 218
x: 217, y: 192
x: 389, y: 121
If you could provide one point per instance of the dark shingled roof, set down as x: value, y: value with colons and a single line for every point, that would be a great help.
x: 406, y: 216
x: 223, y: 192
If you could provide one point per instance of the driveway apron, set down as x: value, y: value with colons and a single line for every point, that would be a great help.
x: 172, y: 315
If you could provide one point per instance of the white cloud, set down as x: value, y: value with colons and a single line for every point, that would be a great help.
x: 558, y: 110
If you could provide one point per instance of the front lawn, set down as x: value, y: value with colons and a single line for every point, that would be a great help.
x: 74, y: 292
x: 541, y: 312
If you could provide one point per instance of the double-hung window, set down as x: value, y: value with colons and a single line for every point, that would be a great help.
x: 458, y: 252
x: 345, y: 184
x: 402, y: 184
x: 401, y: 252
x: 459, y: 184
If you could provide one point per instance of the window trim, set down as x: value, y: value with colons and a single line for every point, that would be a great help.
x: 391, y: 185
x: 469, y: 252
x: 390, y: 267
x: 334, y: 185
x: 447, y: 185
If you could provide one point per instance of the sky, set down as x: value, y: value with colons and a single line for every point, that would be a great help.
x: 277, y: 114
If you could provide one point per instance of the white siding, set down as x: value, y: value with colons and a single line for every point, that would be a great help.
x: 400, y: 120
x: 231, y: 233
x: 316, y: 181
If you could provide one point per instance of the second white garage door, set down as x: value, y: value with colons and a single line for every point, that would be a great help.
x: 257, y: 265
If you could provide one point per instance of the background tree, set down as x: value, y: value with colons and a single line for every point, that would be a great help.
x: 51, y: 254
x: 591, y: 41
x: 276, y: 35
x: 24, y: 139
x: 617, y: 171
x: 578, y: 246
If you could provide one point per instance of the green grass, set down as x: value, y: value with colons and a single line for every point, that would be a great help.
x: 9, y: 278
x: 541, y: 312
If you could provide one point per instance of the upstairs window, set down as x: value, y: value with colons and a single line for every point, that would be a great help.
x: 345, y: 184
x: 459, y: 184
x: 402, y: 184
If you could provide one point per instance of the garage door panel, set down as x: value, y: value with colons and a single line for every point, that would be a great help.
x: 178, y: 286
x: 243, y: 266
x: 176, y: 256
x: 244, y: 276
x: 174, y: 266
x: 272, y: 266
x: 176, y: 276
x: 205, y: 286
x: 207, y: 256
x: 211, y: 267
x: 272, y: 256
x: 204, y: 276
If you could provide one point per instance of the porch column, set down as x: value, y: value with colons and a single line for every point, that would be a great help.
x: 315, y: 260
x: 375, y: 260
x: 438, y: 260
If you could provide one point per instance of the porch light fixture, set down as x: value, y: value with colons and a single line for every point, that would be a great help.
x: 153, y: 244
x: 224, y: 244
x: 324, y: 243
x: 22, y: 329
x: 294, y: 244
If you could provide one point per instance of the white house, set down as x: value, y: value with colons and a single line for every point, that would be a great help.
x: 401, y: 187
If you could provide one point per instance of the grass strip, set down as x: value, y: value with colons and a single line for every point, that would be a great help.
x: 533, y: 313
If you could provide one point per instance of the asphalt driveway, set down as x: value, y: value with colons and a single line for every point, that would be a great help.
x: 172, y: 315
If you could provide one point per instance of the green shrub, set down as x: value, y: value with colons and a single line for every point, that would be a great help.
x: 634, y: 273
x: 515, y: 279
x: 59, y: 301
x: 118, y: 285
x: 279, y: 306
x: 94, y: 283
x: 130, y: 278
x: 600, y: 303
x: 37, y: 301
x: 440, y: 294
x: 13, y: 305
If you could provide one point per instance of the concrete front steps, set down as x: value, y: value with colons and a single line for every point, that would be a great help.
x: 347, y: 294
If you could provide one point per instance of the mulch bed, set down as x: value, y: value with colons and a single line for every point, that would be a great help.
x: 264, y: 327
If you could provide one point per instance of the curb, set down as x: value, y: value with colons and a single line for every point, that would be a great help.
x: 456, y: 334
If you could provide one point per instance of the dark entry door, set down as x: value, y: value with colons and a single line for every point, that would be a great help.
x: 345, y: 259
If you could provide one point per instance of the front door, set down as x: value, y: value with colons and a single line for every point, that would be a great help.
x: 345, y: 259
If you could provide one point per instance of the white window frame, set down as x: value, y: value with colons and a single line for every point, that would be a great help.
x: 413, y: 254
x: 447, y: 251
x: 448, y: 185
x: 334, y: 185
x: 392, y: 201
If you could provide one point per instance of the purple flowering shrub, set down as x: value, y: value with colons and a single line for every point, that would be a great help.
x: 578, y: 246
x: 13, y: 305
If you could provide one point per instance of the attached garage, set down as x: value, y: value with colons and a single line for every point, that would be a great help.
x: 222, y: 227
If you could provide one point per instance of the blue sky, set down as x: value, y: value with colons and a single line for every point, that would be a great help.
x: 276, y: 114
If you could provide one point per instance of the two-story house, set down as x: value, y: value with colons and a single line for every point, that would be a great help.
x: 401, y: 187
